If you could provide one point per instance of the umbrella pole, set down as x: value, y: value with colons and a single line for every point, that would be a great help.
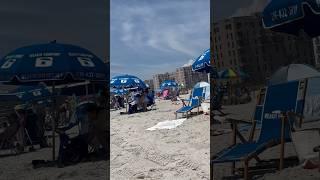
x: 53, y: 125
x: 87, y: 91
x: 209, y: 78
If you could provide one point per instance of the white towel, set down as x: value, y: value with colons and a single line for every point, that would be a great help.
x: 171, y: 124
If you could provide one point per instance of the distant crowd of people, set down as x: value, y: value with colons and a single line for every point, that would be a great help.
x: 137, y: 100
x: 26, y: 124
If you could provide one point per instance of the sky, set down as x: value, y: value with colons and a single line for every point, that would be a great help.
x: 157, y: 36
x: 79, y: 22
x: 229, y: 8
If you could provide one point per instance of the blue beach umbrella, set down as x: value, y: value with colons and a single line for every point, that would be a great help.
x: 202, y: 63
x: 51, y: 62
x: 292, y: 16
x: 127, y: 81
x: 168, y: 84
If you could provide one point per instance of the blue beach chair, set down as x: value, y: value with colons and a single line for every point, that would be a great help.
x: 194, y: 102
x: 283, y: 95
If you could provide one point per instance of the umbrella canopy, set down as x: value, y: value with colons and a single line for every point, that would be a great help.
x: 227, y: 74
x: 127, y: 81
x: 206, y: 87
x: 119, y: 91
x: 31, y: 93
x: 168, y: 84
x: 51, y: 62
x: 202, y: 63
x: 242, y: 74
x: 201, y: 84
x: 293, y: 72
x: 292, y: 16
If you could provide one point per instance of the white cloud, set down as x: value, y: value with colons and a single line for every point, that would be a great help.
x: 189, y: 63
x: 168, y: 27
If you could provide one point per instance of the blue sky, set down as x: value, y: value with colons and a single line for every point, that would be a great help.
x: 157, y: 36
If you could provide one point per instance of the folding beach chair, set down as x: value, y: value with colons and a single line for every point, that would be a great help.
x: 194, y: 103
x: 271, y: 130
x: 196, y: 93
x: 217, y: 103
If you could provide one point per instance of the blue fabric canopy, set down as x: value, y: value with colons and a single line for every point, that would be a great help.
x: 32, y: 93
x: 168, y: 83
x: 51, y: 62
x: 292, y: 16
x: 127, y: 81
x: 202, y: 63
x: 118, y: 91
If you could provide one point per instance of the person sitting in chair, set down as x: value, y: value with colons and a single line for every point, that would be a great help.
x: 73, y: 150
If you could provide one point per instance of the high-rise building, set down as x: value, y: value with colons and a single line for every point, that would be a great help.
x: 150, y: 83
x: 159, y: 78
x: 241, y: 43
x: 187, y: 77
x: 183, y: 76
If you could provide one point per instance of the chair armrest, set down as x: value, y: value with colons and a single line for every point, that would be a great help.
x: 232, y: 120
x: 308, y: 129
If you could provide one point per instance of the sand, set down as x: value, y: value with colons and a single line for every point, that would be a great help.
x: 179, y: 153
x: 221, y: 142
x: 20, y: 167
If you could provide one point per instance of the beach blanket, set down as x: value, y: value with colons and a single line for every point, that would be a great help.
x: 171, y: 124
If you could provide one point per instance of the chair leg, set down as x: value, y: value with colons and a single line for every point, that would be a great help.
x: 246, y: 170
x: 233, y: 168
x: 211, y: 170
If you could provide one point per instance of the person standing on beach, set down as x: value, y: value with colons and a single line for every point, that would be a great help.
x: 21, y: 115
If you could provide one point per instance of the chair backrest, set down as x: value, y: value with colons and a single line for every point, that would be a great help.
x: 280, y: 98
x: 195, y: 102
x: 197, y: 92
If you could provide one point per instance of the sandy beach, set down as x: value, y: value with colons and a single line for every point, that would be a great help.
x: 223, y: 141
x: 20, y: 167
x: 179, y: 153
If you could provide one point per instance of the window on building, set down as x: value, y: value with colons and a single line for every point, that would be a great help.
x: 232, y: 45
